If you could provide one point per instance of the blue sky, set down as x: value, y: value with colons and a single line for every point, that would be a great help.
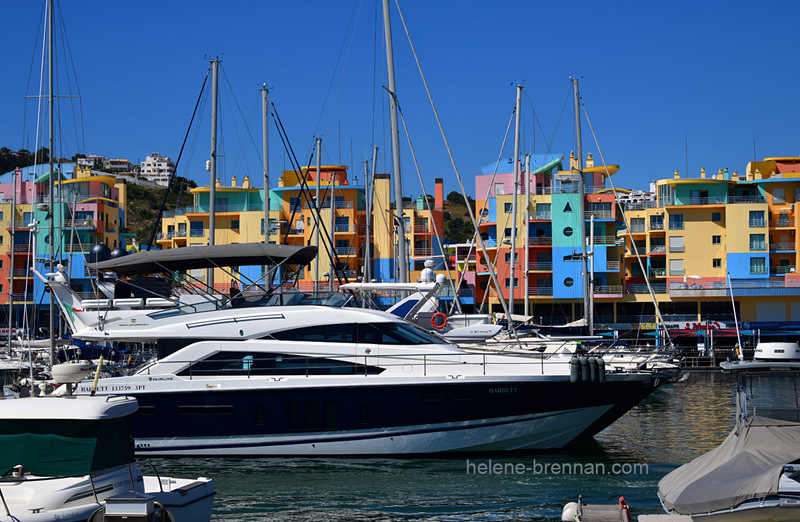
x: 654, y: 75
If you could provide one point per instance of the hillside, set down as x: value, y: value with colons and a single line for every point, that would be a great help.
x: 143, y: 206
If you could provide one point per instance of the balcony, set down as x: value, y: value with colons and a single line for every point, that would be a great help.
x: 658, y: 288
x: 344, y: 228
x: 80, y: 223
x: 674, y: 225
x: 612, y: 266
x: 541, y: 266
x: 741, y: 287
x: 714, y: 200
x: 345, y: 251
x: 422, y: 229
x: 540, y: 241
x: 199, y: 232
x: 658, y: 272
x: 22, y: 247
x: 540, y: 291
x: 599, y: 214
x: 656, y: 226
x: 78, y: 247
x: 327, y: 204
x: 22, y: 297
x: 609, y: 290
x: 542, y: 216
x: 424, y: 251
x: 18, y: 224
x: 638, y: 229
x: 658, y: 249
x: 782, y: 270
x: 757, y: 223
x: 296, y: 231
x: 19, y: 273
x: 784, y: 247
x: 605, y: 240
x: 782, y: 223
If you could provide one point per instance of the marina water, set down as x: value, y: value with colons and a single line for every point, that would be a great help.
x: 677, y: 423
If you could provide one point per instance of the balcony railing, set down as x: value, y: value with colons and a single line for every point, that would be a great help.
x: 612, y: 266
x: 542, y: 241
x: 542, y: 216
x: 344, y: 228
x: 296, y: 231
x: 656, y: 226
x: 758, y: 270
x: 22, y: 297
x: 658, y: 249
x: 638, y: 229
x: 19, y: 273
x: 22, y: 247
x: 714, y: 200
x: 781, y: 246
x: 676, y: 248
x: 80, y: 223
x: 423, y: 251
x: 197, y: 232
x: 658, y: 272
x: 599, y: 214
x: 782, y: 223
x: 345, y: 251
x: 546, y: 266
x: 658, y: 288
x: 422, y: 229
x: 783, y: 270
x: 674, y: 225
x: 605, y: 240
x: 608, y: 290
x: 327, y: 204
x: 540, y: 290
x: 640, y: 205
x: 757, y: 223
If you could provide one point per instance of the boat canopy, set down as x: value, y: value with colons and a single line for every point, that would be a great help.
x: 65, y: 436
x: 212, y: 256
x: 746, y: 466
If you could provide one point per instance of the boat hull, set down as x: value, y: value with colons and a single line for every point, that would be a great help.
x: 278, y: 418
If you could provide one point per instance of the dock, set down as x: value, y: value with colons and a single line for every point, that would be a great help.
x: 580, y: 512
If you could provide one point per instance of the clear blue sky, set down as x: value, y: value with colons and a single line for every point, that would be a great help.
x: 722, y: 74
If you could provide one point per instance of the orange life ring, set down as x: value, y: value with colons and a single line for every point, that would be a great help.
x: 436, y: 324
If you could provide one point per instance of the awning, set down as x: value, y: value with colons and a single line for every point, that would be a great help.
x: 194, y: 257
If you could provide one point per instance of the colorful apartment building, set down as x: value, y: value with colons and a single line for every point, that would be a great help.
x: 239, y: 218
x: 88, y: 209
x: 693, y: 242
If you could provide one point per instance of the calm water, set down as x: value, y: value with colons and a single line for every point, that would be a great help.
x: 675, y: 424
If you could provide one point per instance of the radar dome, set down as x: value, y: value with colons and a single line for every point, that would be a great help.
x: 100, y: 252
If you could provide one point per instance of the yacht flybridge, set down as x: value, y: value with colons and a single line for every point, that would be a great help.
x: 288, y: 375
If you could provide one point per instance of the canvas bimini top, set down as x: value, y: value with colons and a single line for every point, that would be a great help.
x: 211, y: 256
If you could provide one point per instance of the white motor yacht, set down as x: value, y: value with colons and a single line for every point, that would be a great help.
x: 287, y: 376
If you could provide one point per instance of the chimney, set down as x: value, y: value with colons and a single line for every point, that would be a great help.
x: 720, y: 175
x: 677, y: 175
x: 219, y: 184
x: 438, y: 197
x: 589, y: 161
x: 246, y: 182
x: 702, y: 173
x: 233, y: 181
x: 735, y: 176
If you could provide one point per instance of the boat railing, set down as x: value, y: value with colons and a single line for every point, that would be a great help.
x: 288, y: 365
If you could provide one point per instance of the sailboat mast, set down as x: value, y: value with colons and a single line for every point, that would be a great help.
x: 319, y: 217
x: 398, y: 187
x: 513, y: 257
x: 370, y: 188
x: 17, y: 172
x: 265, y: 144
x: 52, y: 323
x: 332, y: 255
x: 527, y: 233
x: 587, y: 312
x: 213, y: 165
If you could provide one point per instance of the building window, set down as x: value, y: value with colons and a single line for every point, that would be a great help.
x: 499, y: 189
x: 507, y: 232
x: 508, y: 257
x: 568, y: 231
x: 235, y: 224
x: 758, y: 242
x: 568, y: 282
x: 676, y: 244
x: 758, y: 265
x: 516, y: 283
x: 757, y: 218
x: 778, y: 196
x: 716, y: 216
x: 676, y: 221
x: 716, y: 263
x: 196, y: 228
x: 716, y: 240
x: 507, y: 207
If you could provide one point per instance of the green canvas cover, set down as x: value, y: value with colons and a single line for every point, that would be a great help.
x: 64, y: 447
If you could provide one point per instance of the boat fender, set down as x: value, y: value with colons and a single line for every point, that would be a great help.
x: 601, y: 369
x: 593, y: 376
x: 438, y: 320
x: 574, y: 370
x: 623, y: 507
x: 570, y: 512
x: 584, y: 369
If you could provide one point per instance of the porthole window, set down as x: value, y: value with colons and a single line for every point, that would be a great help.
x: 568, y: 231
x: 568, y: 282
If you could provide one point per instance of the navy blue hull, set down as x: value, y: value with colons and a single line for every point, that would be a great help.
x: 347, y: 409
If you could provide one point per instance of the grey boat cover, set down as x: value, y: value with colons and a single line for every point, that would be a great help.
x: 193, y: 257
x: 747, y: 465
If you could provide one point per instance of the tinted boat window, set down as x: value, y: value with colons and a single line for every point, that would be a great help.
x: 393, y: 333
x: 328, y: 333
x: 241, y: 363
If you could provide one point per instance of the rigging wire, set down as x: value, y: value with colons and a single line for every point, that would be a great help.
x: 177, y: 162
x: 452, y: 160
x: 627, y: 226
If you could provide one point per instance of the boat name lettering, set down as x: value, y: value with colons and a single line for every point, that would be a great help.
x: 142, y: 445
x: 502, y: 390
x: 160, y: 378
